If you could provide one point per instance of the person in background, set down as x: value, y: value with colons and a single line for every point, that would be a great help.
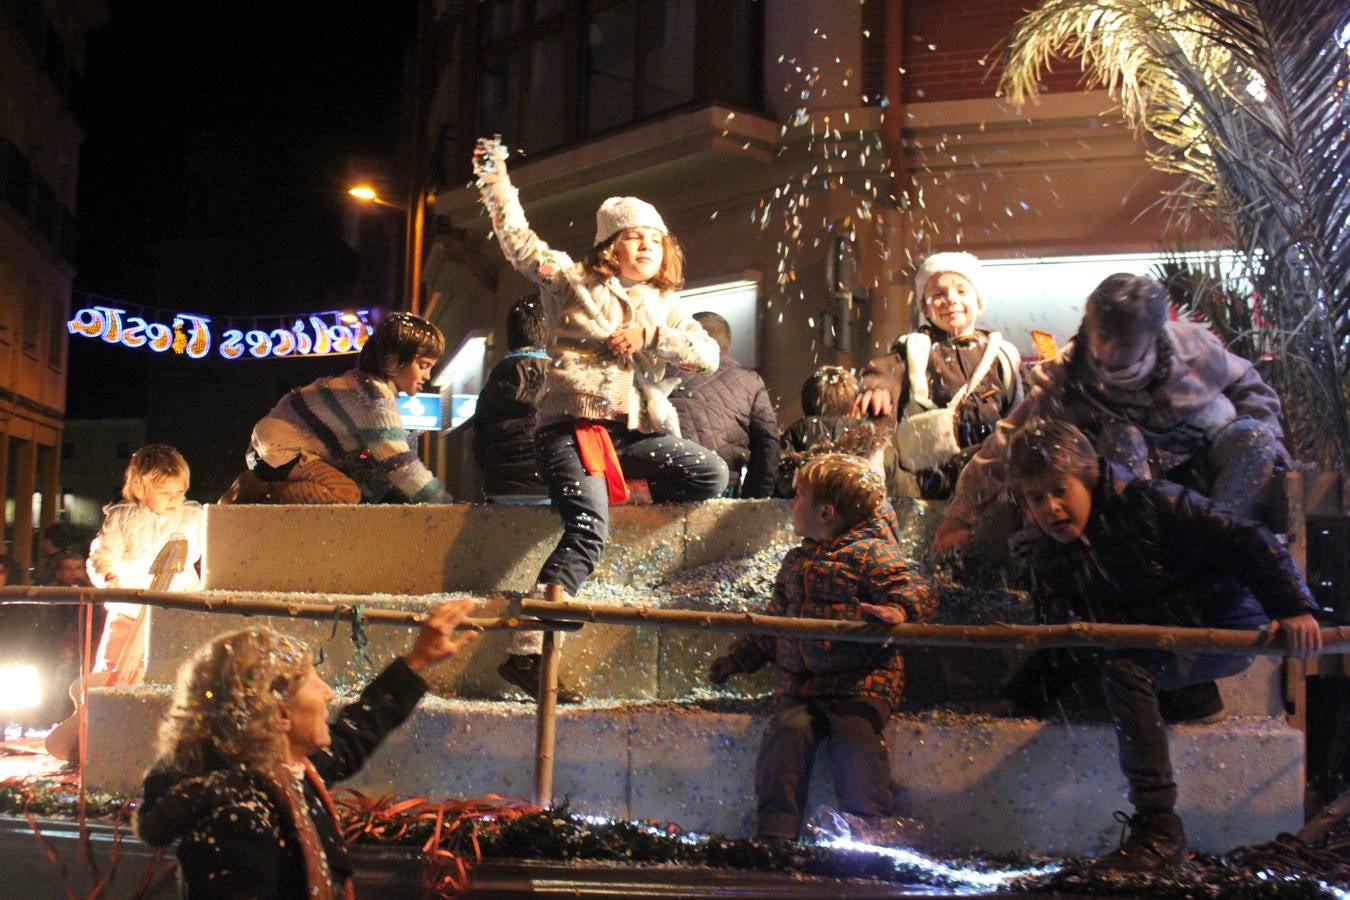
x: 247, y: 757
x: 341, y: 439
x: 944, y: 387
x: 154, y: 509
x: 827, y: 415
x: 729, y: 412
x: 503, y: 423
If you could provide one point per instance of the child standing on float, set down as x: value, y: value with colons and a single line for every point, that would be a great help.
x: 614, y: 323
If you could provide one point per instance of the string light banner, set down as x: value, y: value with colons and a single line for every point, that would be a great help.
x: 329, y: 333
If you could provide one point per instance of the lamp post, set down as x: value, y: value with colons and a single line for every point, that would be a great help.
x: 415, y: 216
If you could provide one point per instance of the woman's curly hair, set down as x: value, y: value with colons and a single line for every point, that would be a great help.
x: 226, y: 697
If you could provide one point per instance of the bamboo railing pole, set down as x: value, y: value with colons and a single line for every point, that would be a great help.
x: 1029, y: 637
x: 546, y: 722
x: 324, y: 607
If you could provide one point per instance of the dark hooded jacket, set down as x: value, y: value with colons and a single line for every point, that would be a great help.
x: 827, y: 580
x: 1155, y: 553
x: 235, y: 836
x: 503, y: 424
x: 729, y: 412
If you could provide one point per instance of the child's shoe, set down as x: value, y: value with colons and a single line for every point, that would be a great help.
x: 522, y: 670
x: 1155, y: 840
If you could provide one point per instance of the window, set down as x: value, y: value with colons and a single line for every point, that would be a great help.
x: 56, y: 334
x: 555, y: 72
x: 31, y: 326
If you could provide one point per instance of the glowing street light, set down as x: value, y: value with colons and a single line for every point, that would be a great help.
x: 368, y: 194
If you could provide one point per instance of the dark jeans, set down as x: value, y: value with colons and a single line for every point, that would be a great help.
x: 1131, y: 680
x: 858, y: 758
x: 676, y: 470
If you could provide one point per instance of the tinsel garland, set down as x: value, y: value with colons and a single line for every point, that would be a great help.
x: 455, y: 835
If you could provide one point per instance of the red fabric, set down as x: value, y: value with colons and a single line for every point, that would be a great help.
x: 600, y: 458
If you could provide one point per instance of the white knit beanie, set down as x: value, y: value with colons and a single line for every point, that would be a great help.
x: 621, y: 213
x: 961, y: 263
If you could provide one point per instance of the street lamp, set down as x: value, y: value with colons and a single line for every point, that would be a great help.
x: 412, y: 243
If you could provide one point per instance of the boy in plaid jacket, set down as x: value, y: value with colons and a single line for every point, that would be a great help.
x: 849, y: 564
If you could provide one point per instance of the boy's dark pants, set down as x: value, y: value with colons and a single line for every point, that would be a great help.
x: 676, y: 470
x: 1131, y: 680
x: 857, y: 748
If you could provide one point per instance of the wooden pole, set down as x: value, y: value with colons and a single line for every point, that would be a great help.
x: 546, y: 723
x: 537, y: 615
x: 327, y: 607
x: 1027, y: 637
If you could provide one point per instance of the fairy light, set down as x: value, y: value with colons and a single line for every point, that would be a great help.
x: 974, y: 878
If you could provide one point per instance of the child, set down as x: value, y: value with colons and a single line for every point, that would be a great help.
x: 848, y: 565
x: 1116, y: 548
x: 1163, y: 398
x: 341, y: 439
x: 948, y: 383
x: 615, y: 322
x: 503, y: 424
x: 827, y: 401
x: 153, y: 509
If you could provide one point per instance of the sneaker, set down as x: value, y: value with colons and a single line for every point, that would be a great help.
x: 1155, y: 840
x: 1195, y: 704
x: 522, y: 670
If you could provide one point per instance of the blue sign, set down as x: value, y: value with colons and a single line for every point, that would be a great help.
x: 421, y: 412
x: 462, y: 408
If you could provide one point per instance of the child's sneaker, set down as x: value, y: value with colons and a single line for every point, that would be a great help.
x: 1155, y: 840
x: 522, y: 670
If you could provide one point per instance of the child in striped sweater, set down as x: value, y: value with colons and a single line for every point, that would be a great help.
x: 340, y: 439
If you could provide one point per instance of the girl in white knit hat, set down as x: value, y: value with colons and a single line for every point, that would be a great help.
x: 946, y: 384
x: 604, y: 415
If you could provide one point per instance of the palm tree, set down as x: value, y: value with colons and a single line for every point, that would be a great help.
x: 1248, y: 101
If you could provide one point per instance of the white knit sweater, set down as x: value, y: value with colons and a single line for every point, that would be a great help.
x: 586, y: 380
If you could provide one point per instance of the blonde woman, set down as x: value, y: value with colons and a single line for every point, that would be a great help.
x: 246, y: 757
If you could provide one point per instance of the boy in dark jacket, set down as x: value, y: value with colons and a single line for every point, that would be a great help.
x: 1122, y: 549
x: 849, y: 565
x: 503, y: 423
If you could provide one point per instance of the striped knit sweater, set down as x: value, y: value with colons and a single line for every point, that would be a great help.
x: 350, y: 421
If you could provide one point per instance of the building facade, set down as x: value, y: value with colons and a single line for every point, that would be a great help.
x: 806, y: 153
x: 41, y: 60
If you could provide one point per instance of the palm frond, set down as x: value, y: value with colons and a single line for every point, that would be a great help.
x: 1247, y: 101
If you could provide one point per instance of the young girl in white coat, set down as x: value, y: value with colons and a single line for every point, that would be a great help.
x: 614, y: 324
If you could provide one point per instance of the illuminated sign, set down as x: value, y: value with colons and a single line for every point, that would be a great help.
x: 421, y: 412
x: 331, y: 333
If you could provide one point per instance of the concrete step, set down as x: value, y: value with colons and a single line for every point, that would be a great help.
x: 980, y: 784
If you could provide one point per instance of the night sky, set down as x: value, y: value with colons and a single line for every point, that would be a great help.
x: 212, y: 171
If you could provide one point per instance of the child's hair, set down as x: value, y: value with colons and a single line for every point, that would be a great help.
x: 846, y: 482
x: 1127, y: 304
x: 1049, y: 447
x: 829, y: 391
x: 717, y: 328
x: 525, y: 324
x: 399, y: 338
x: 152, y: 463
x: 600, y: 263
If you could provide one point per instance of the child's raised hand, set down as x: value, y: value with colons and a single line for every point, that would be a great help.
x: 892, y: 615
x: 489, y: 159
x: 1303, y: 636
x: 721, y: 669
x: 109, y: 580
